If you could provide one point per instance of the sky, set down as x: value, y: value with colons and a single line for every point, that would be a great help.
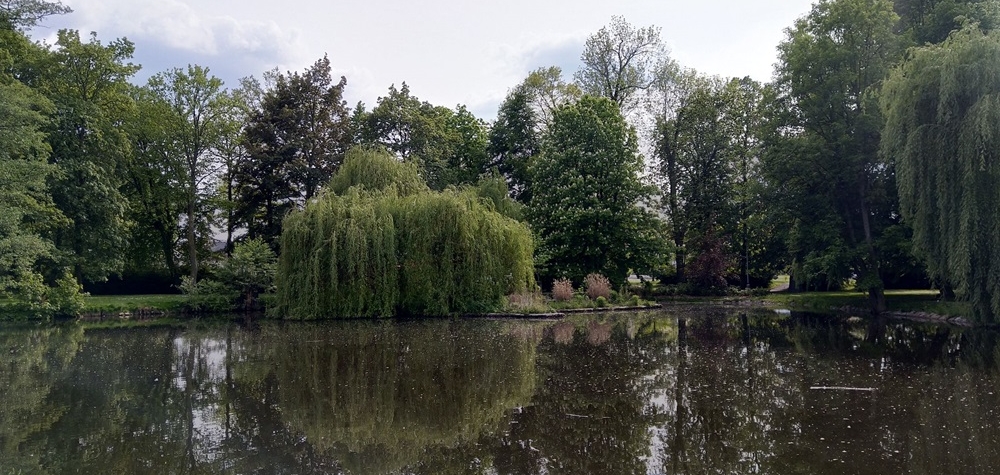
x: 449, y: 52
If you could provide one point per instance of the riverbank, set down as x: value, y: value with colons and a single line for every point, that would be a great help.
x: 921, y: 305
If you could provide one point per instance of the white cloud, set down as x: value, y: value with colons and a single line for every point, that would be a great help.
x: 179, y: 26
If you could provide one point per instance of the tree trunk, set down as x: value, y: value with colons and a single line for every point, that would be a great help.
x: 192, y: 246
x: 876, y: 293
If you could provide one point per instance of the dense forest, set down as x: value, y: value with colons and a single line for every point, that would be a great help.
x: 871, y: 159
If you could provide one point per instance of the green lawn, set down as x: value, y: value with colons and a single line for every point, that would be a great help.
x: 122, y: 303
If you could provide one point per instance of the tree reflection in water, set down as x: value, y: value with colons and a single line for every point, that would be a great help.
x: 721, y: 391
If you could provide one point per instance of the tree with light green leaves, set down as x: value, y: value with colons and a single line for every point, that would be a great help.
x: 585, y: 206
x: 378, y: 243
x: 942, y: 108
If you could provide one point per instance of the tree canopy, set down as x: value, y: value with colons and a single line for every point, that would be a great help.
x: 942, y: 107
x: 585, y: 206
x: 379, y: 243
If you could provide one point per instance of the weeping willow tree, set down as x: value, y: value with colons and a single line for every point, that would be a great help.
x: 377, y: 243
x: 942, y: 129
x: 377, y: 396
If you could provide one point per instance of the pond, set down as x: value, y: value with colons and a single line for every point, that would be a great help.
x: 677, y: 391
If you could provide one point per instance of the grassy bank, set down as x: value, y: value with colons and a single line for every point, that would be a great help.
x: 922, y: 301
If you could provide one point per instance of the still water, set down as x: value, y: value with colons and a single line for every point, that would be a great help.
x: 678, y: 392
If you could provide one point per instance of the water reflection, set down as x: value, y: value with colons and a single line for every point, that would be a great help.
x: 717, y: 391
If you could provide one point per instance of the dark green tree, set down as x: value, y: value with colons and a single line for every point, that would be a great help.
x: 840, y: 193
x: 295, y: 142
x: 448, y: 145
x: 942, y: 108
x: 585, y: 206
x: 154, y: 185
x: 88, y: 82
x: 931, y: 21
x: 514, y: 142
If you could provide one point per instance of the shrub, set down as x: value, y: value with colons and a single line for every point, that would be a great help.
x: 562, y: 290
x: 634, y: 301
x: 597, y: 286
x: 601, y: 302
x: 66, y: 297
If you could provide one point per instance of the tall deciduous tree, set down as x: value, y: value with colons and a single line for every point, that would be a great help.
x: 708, y: 148
x: 830, y: 67
x: 448, y: 146
x: 585, y: 204
x: 514, y: 143
x: 88, y: 82
x: 27, y: 214
x: 195, y: 99
x: 154, y: 186
x: 546, y: 90
x: 942, y: 108
x: 24, y: 14
x: 618, y: 61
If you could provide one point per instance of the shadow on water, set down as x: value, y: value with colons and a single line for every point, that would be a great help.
x: 712, y: 390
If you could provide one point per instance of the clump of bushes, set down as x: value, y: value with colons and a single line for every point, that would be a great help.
x: 238, y: 283
x: 597, y: 286
x: 562, y: 290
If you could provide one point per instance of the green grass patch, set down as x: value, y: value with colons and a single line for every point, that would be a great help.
x: 129, y: 303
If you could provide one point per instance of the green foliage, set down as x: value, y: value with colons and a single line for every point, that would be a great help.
x: 514, y: 142
x: 931, y: 21
x: 67, y: 297
x: 249, y: 271
x: 942, y: 107
x: 601, y: 302
x: 449, y: 146
x: 238, y: 283
x: 26, y: 14
x: 585, y: 206
x: 369, y: 169
x: 824, y: 163
x: 88, y: 83
x: 208, y: 295
x: 376, y: 253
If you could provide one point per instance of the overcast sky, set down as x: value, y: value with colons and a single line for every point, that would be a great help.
x: 448, y: 51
